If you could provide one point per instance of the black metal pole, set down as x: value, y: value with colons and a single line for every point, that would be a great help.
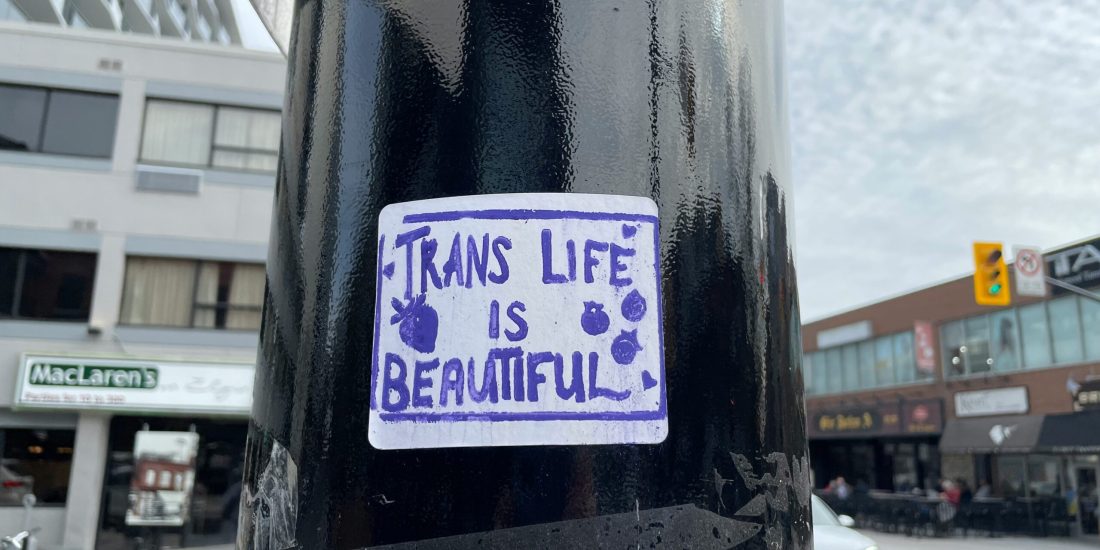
x: 396, y: 101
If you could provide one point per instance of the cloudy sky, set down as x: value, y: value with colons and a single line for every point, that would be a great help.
x: 918, y: 127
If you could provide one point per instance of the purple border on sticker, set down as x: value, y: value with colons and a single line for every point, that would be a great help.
x: 504, y: 416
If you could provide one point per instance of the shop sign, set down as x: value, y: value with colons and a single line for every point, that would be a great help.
x: 109, y: 384
x: 1078, y: 265
x: 991, y: 402
x: 923, y: 416
x: 1087, y: 396
x: 870, y: 420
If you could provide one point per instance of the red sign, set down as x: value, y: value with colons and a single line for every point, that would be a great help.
x: 923, y: 416
x: 924, y: 346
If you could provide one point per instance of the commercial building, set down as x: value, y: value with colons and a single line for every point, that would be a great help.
x: 929, y: 385
x: 137, y: 175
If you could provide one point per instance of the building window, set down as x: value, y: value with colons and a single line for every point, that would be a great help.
x: 883, y: 361
x: 867, y: 363
x: 214, y: 136
x: 834, y: 378
x: 35, y: 462
x: 1035, y: 334
x: 1065, y: 330
x: 905, y: 362
x: 63, y: 122
x: 849, y: 357
x: 45, y: 284
x: 10, y: 12
x: 189, y: 293
x: 977, y: 352
x: 808, y: 374
x: 1006, y: 341
x: 1090, y: 326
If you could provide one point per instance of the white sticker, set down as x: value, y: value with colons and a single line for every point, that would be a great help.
x: 525, y: 319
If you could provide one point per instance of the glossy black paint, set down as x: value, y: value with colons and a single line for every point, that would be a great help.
x: 680, y: 101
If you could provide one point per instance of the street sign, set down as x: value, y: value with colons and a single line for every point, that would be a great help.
x: 990, y: 275
x: 1030, y: 275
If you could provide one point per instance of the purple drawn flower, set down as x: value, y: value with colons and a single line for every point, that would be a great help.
x: 634, y: 306
x: 594, y: 320
x: 625, y: 347
x: 419, y: 323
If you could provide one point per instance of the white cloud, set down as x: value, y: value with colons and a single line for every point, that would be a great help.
x: 917, y: 127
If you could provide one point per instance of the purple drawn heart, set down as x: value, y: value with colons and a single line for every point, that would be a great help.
x: 629, y: 231
x: 388, y: 270
x: 647, y: 380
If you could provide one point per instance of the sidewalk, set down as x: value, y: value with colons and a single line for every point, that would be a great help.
x: 889, y: 541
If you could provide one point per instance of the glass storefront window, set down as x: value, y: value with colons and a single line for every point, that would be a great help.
x: 867, y: 363
x: 1009, y: 476
x: 976, y: 356
x: 884, y: 361
x: 1006, y: 341
x: 1035, y: 335
x: 1065, y: 330
x: 850, y: 358
x: 1043, y: 478
x: 807, y: 373
x: 35, y: 462
x: 216, y: 493
x: 904, y: 360
x: 951, y: 340
x: 834, y: 378
x: 1090, y: 326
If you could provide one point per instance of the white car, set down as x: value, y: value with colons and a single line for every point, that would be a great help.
x: 833, y: 532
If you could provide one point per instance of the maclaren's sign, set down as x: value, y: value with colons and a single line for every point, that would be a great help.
x: 124, y: 384
x: 79, y: 375
x: 923, y: 416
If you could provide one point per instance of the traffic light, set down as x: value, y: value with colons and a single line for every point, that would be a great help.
x: 990, y: 275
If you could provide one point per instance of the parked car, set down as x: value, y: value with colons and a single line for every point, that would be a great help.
x: 833, y: 532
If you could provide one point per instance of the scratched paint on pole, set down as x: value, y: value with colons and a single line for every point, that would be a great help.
x: 521, y: 319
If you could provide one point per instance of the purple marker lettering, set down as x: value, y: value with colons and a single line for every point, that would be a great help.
x: 420, y: 382
x: 395, y: 384
x: 571, y: 255
x: 590, y: 261
x: 575, y: 390
x: 452, y: 268
x: 494, y: 319
x: 407, y: 239
x: 594, y: 390
x: 506, y: 356
x: 521, y: 324
x: 451, y: 381
x: 534, y: 378
x: 500, y: 244
x: 427, y: 267
x: 617, y: 253
x: 476, y: 263
x: 488, y: 380
x: 548, y: 275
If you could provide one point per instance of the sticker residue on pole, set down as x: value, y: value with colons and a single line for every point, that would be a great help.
x: 526, y: 319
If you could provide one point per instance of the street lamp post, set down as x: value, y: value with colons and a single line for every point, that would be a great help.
x: 393, y: 102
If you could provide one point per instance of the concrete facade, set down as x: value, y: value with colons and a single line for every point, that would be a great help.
x: 57, y: 202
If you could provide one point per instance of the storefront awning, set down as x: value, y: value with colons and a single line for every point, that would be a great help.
x: 998, y: 434
x: 1070, y: 433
